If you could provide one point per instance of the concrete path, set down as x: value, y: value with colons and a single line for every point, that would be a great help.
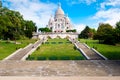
x: 20, y: 54
x: 60, y: 78
x: 90, y: 54
x: 82, y: 68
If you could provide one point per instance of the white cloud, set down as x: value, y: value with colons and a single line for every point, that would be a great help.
x: 108, y: 15
x: 113, y: 3
x: 79, y: 27
x: 34, y: 10
x: 88, y: 2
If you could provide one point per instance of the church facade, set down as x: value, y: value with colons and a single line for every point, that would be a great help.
x: 60, y: 23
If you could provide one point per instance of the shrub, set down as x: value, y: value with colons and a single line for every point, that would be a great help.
x: 65, y: 58
x: 60, y: 42
x: 75, y: 48
x: 53, y: 42
x: 41, y: 58
x: 31, y: 58
x: 38, y: 48
x: 79, y: 58
x: 52, y: 58
x: 46, y: 42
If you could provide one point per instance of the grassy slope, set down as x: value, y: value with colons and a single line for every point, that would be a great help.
x: 7, y: 48
x: 110, y: 51
x: 57, y: 50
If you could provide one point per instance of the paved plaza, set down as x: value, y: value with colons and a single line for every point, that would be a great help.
x: 60, y: 68
x: 60, y: 78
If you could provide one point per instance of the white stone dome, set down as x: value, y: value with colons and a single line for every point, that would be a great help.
x: 59, y: 11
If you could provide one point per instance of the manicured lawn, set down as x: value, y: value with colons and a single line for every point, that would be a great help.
x: 56, y: 49
x: 8, y: 48
x: 110, y: 51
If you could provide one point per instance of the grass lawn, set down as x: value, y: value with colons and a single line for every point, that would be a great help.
x: 56, y: 49
x: 110, y: 51
x: 8, y: 48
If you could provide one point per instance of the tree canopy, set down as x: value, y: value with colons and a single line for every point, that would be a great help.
x: 45, y: 29
x: 13, y: 26
x: 74, y: 30
x: 87, y: 33
x: 107, y: 34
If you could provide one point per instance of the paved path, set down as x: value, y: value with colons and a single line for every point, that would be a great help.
x: 19, y: 55
x: 90, y: 53
x: 82, y: 68
x: 60, y: 78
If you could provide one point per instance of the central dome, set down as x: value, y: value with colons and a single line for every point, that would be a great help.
x: 59, y: 11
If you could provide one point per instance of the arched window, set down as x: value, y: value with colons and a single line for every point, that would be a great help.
x: 58, y: 25
x: 51, y: 28
x: 55, y: 19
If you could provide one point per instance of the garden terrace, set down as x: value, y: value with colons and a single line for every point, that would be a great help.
x: 56, y: 49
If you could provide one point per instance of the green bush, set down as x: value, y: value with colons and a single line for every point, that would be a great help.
x: 46, y: 42
x: 60, y: 42
x: 53, y: 58
x: 79, y: 58
x: 41, y: 58
x: 31, y: 58
x: 65, y: 58
x: 75, y: 48
x: 38, y: 48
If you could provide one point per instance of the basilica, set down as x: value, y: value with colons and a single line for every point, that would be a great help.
x: 60, y: 23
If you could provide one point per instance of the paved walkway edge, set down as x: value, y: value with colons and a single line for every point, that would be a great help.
x: 99, y: 53
x: 30, y: 52
x: 60, y: 78
x: 83, y: 53
x: 86, y: 45
x: 12, y: 54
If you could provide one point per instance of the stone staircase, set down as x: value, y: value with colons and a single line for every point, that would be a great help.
x: 86, y: 51
x: 25, y: 51
x: 90, y: 53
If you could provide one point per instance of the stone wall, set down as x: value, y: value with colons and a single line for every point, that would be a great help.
x: 55, y: 35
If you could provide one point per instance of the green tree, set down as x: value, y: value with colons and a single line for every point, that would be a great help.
x: 117, y: 32
x: 0, y: 3
x: 29, y: 28
x: 118, y: 25
x: 45, y: 29
x: 13, y: 26
x: 74, y: 30
x: 87, y: 33
x: 105, y: 34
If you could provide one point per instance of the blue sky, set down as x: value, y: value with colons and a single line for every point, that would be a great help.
x: 80, y: 12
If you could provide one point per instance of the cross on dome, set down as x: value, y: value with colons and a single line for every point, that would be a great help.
x: 59, y: 4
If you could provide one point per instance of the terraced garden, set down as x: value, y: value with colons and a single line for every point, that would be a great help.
x: 8, y: 47
x: 110, y: 51
x: 56, y: 49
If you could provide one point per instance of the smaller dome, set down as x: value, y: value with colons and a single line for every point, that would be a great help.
x: 51, y: 19
x: 67, y: 20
